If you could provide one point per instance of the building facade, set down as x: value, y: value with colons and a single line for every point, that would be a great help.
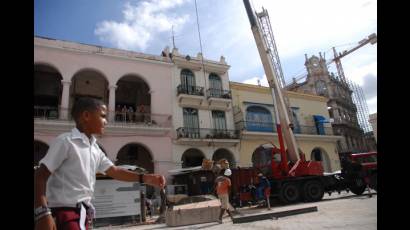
x: 202, y: 111
x: 342, y: 110
x: 134, y: 86
x: 254, y: 118
x: 373, y: 122
x: 164, y: 112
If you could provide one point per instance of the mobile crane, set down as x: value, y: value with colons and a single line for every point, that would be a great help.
x: 292, y: 179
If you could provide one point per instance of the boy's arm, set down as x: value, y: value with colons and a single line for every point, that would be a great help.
x: 41, y: 176
x: 117, y: 173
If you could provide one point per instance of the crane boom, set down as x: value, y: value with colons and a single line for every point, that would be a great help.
x: 372, y: 39
x: 282, y: 118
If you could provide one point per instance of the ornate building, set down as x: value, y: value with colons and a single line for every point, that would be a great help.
x: 342, y: 110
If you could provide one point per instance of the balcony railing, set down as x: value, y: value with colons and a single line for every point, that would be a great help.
x: 219, y: 93
x: 190, y: 90
x: 256, y: 126
x: 119, y: 119
x: 271, y: 128
x: 130, y: 118
x: 203, y: 133
x: 46, y: 112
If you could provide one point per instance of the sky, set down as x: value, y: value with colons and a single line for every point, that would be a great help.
x: 300, y: 27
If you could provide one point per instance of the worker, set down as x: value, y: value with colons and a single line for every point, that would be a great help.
x: 64, y: 183
x: 223, y: 184
x: 263, y: 183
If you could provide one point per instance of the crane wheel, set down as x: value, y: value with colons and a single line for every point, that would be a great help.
x: 358, y: 186
x: 289, y: 193
x: 313, y: 191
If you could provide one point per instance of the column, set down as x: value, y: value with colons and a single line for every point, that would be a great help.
x: 111, y: 103
x: 65, y: 99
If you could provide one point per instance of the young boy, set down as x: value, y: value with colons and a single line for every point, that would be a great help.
x: 68, y: 170
x: 223, y: 184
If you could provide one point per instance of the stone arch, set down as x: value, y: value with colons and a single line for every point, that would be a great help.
x: 224, y: 154
x: 90, y: 83
x: 136, y: 154
x: 132, y: 93
x: 192, y: 157
x: 40, y: 150
x: 47, y: 90
x: 319, y: 154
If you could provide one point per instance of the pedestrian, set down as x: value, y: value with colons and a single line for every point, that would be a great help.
x: 223, y: 184
x: 260, y: 189
x: 64, y: 183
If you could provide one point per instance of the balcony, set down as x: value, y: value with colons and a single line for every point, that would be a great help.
x: 49, y: 119
x: 219, y: 99
x: 204, y: 136
x: 340, y: 121
x: 190, y: 95
x: 268, y: 127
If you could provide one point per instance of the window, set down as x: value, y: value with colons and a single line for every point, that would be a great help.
x: 259, y: 119
x: 191, y: 121
x: 215, y: 85
x: 296, y: 125
x: 219, y: 120
x: 188, y: 81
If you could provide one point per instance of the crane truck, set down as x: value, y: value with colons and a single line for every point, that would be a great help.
x: 292, y: 177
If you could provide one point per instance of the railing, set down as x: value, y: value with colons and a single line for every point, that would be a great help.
x: 46, y: 112
x: 135, y: 118
x: 271, y: 128
x: 219, y: 93
x: 339, y: 120
x: 256, y: 126
x: 313, y: 130
x: 203, y: 133
x: 119, y: 119
x: 190, y: 90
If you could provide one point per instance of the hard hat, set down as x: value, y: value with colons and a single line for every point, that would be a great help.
x: 228, y: 172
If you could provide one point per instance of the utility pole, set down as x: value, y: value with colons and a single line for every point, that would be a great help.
x: 173, y: 37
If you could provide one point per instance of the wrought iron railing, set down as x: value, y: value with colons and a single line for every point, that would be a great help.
x: 204, y: 133
x: 190, y: 90
x: 219, y: 93
x: 256, y: 126
x: 46, y: 112
x: 271, y: 127
x: 118, y: 119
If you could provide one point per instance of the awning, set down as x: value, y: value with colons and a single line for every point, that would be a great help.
x: 320, y: 119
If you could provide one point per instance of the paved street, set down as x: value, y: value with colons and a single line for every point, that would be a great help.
x: 344, y: 211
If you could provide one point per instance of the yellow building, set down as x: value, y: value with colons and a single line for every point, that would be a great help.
x: 254, y: 117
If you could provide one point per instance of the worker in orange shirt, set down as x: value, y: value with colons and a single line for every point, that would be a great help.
x: 223, y: 184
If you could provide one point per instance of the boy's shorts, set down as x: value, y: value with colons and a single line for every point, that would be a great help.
x: 71, y: 218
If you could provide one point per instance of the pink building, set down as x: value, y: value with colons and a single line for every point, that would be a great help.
x: 135, y: 87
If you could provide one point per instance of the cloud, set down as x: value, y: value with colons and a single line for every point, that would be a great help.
x: 254, y: 81
x: 372, y: 104
x: 141, y: 22
x: 369, y: 86
x: 320, y: 23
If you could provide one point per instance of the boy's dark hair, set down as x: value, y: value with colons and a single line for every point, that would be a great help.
x: 85, y: 104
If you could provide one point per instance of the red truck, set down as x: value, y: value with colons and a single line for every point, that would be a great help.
x: 366, y: 163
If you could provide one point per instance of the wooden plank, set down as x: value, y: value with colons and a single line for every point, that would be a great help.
x: 271, y: 215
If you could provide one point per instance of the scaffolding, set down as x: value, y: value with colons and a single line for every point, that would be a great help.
x: 362, y: 110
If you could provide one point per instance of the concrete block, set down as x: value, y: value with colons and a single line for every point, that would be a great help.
x: 193, y: 213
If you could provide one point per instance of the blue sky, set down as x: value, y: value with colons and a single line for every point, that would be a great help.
x: 299, y: 27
